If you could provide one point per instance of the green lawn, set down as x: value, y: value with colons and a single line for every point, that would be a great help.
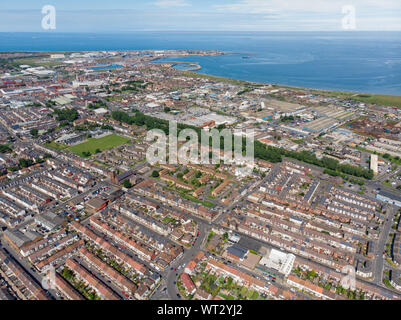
x: 169, y: 220
x: 56, y: 146
x: 380, y: 99
x: 37, y: 61
x: 102, y: 144
x: 252, y: 295
x: 244, y: 291
x: 193, y: 199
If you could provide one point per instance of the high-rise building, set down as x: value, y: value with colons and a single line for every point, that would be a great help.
x: 374, y: 163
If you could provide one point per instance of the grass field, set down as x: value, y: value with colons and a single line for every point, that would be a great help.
x: 56, y: 146
x: 102, y: 144
x: 393, y: 101
x: 37, y: 62
x: 378, y: 99
x: 215, y: 78
x: 193, y: 199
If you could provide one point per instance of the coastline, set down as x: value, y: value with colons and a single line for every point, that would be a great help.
x: 331, y: 92
x: 193, y: 66
x: 363, y: 97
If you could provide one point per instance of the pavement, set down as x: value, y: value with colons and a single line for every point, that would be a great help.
x: 171, y: 291
x: 381, y: 244
x: 28, y: 268
x: 170, y: 276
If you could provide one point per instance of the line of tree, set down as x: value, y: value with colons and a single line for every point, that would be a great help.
x: 25, y: 163
x: 4, y: 148
x: 263, y: 152
x: 68, y: 115
x: 97, y: 104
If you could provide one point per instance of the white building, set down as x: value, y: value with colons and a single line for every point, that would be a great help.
x: 374, y: 163
x: 278, y: 260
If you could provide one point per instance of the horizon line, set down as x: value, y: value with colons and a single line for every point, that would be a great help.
x: 192, y: 31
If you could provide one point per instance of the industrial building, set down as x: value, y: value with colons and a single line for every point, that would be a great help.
x: 389, y: 197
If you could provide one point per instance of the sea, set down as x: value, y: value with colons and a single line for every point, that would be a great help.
x: 368, y: 62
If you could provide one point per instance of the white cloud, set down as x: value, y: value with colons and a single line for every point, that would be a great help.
x: 171, y: 3
x: 314, y: 14
x: 275, y: 6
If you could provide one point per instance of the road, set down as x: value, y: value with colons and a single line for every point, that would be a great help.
x: 167, y: 288
x: 381, y: 244
x: 204, y: 228
x: 28, y: 268
x: 21, y: 179
x: 106, y: 281
x: 170, y: 276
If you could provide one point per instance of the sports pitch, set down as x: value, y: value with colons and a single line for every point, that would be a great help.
x: 102, y: 144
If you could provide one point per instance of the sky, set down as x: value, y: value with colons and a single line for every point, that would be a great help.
x: 101, y: 16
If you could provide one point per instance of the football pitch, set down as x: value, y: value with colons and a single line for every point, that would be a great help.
x: 102, y: 144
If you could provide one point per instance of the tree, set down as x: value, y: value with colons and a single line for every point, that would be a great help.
x: 127, y: 184
x: 311, y: 274
x: 195, y: 183
x: 25, y: 163
x: 34, y: 132
x: 155, y: 174
x: 4, y: 148
x: 68, y: 115
x: 261, y: 151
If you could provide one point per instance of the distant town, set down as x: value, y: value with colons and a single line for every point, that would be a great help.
x: 84, y: 215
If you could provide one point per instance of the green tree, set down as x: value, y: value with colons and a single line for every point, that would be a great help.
x: 68, y: 115
x: 4, y: 148
x: 34, y: 132
x: 127, y: 184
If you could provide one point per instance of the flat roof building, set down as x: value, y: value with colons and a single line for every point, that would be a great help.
x: 388, y: 197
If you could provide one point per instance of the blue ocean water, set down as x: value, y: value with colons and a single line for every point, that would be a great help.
x: 352, y: 61
x: 110, y: 67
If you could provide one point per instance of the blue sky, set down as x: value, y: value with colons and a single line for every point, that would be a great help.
x: 199, y: 15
